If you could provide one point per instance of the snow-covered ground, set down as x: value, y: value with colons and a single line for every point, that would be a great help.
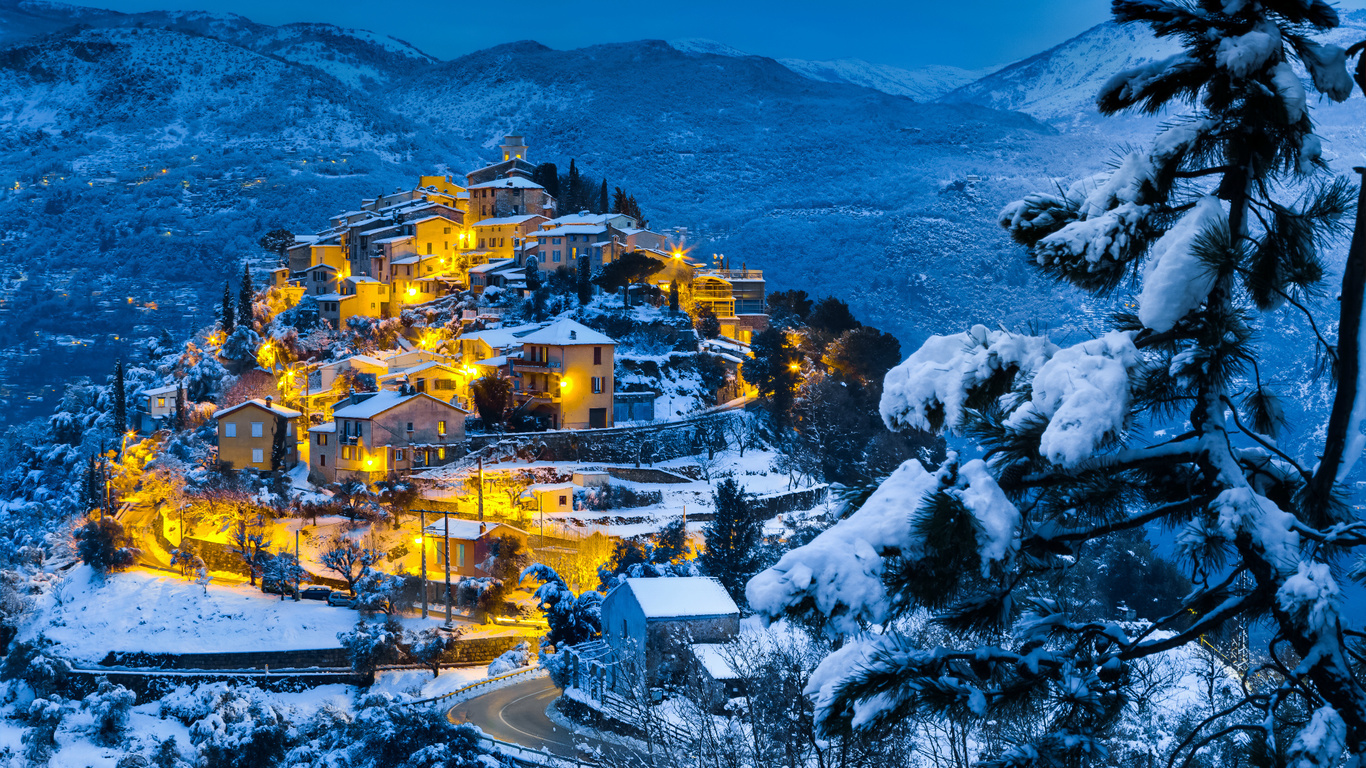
x: 159, y: 613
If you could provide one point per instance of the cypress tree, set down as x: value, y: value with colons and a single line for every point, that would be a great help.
x: 533, y: 274
x: 731, y: 538
x: 549, y: 177
x: 573, y: 190
x: 120, y: 401
x: 585, y: 281
x: 279, y: 449
x: 179, y: 422
x: 603, y: 201
x: 229, y: 317
x: 246, y: 298
x: 673, y: 297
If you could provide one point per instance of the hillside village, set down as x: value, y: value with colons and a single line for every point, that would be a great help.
x: 439, y: 432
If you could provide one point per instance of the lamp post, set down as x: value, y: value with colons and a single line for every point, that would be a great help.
x: 422, y: 544
x: 447, y: 534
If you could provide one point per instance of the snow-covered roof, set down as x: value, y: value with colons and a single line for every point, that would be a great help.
x: 418, y: 369
x: 166, y: 390
x: 506, y: 220
x: 397, y: 239
x: 579, y: 219
x: 369, y: 232
x: 514, y: 182
x: 323, y: 266
x: 712, y: 657
x: 492, y: 362
x: 465, y: 529
x: 566, y: 332
x: 288, y: 413
x: 376, y: 404
x: 681, y: 597
x: 566, y: 231
x: 331, y: 426
x: 433, y: 216
x: 492, y: 266
x: 365, y: 359
x: 332, y: 297
x: 546, y: 488
x: 362, y: 279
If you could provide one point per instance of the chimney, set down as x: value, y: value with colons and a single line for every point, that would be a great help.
x: 268, y: 401
x: 483, y: 529
x: 573, y: 334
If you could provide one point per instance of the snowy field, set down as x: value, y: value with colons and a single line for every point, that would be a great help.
x: 142, y: 611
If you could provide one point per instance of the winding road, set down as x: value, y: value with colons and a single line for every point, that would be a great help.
x: 517, y: 714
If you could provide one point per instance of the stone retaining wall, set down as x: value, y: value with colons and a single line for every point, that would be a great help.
x: 466, y: 650
x: 152, y: 685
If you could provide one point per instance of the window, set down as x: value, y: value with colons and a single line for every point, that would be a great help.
x: 346, y: 428
x: 230, y: 430
x: 562, y: 499
x: 347, y: 452
x: 398, y: 454
x: 459, y: 554
x: 597, y: 385
x: 359, y: 424
x: 322, y: 459
x: 441, y: 428
x: 289, y: 428
x: 429, y: 249
x: 257, y: 456
x: 410, y: 426
x: 447, y: 231
x: 322, y: 438
x: 445, y: 384
x: 161, y: 402
x: 555, y: 241
x: 597, y: 355
x: 441, y: 453
x: 557, y: 256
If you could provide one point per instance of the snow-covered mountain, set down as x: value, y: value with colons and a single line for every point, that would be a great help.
x: 358, y: 58
x: 1060, y: 84
x: 920, y: 83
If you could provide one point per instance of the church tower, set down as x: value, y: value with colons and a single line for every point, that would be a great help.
x: 514, y: 148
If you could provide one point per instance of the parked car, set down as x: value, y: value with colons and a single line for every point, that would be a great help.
x: 276, y: 587
x: 341, y: 600
x: 315, y: 593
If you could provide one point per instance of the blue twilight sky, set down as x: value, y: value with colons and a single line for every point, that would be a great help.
x: 907, y: 33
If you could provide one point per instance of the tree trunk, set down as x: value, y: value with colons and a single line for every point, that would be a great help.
x: 1349, y: 362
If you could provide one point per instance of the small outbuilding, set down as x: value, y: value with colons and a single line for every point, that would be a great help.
x: 652, y: 624
x: 465, y: 542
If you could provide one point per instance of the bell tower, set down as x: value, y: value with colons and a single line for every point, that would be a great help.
x: 514, y: 148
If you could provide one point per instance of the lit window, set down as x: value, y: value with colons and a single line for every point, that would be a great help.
x: 230, y: 430
x: 441, y: 428
x: 161, y: 402
x: 597, y: 384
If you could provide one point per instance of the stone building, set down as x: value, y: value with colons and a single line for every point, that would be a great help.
x: 650, y: 625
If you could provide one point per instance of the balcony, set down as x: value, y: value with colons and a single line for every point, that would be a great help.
x: 537, y: 396
x: 537, y: 366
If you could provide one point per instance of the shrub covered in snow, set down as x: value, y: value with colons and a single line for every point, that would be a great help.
x: 511, y: 660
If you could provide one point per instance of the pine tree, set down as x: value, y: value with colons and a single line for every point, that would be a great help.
x: 585, y: 281
x: 229, y: 320
x: 603, y: 200
x: 1167, y: 421
x: 769, y: 370
x: 619, y: 200
x: 120, y: 401
x: 731, y: 538
x: 246, y: 299
x: 673, y: 297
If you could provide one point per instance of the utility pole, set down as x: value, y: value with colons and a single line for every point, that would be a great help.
x: 297, y: 566
x: 447, y: 534
x: 481, y: 489
x: 422, y: 543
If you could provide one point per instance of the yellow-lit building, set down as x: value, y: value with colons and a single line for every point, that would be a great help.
x: 565, y: 375
x: 374, y: 433
x: 246, y: 434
